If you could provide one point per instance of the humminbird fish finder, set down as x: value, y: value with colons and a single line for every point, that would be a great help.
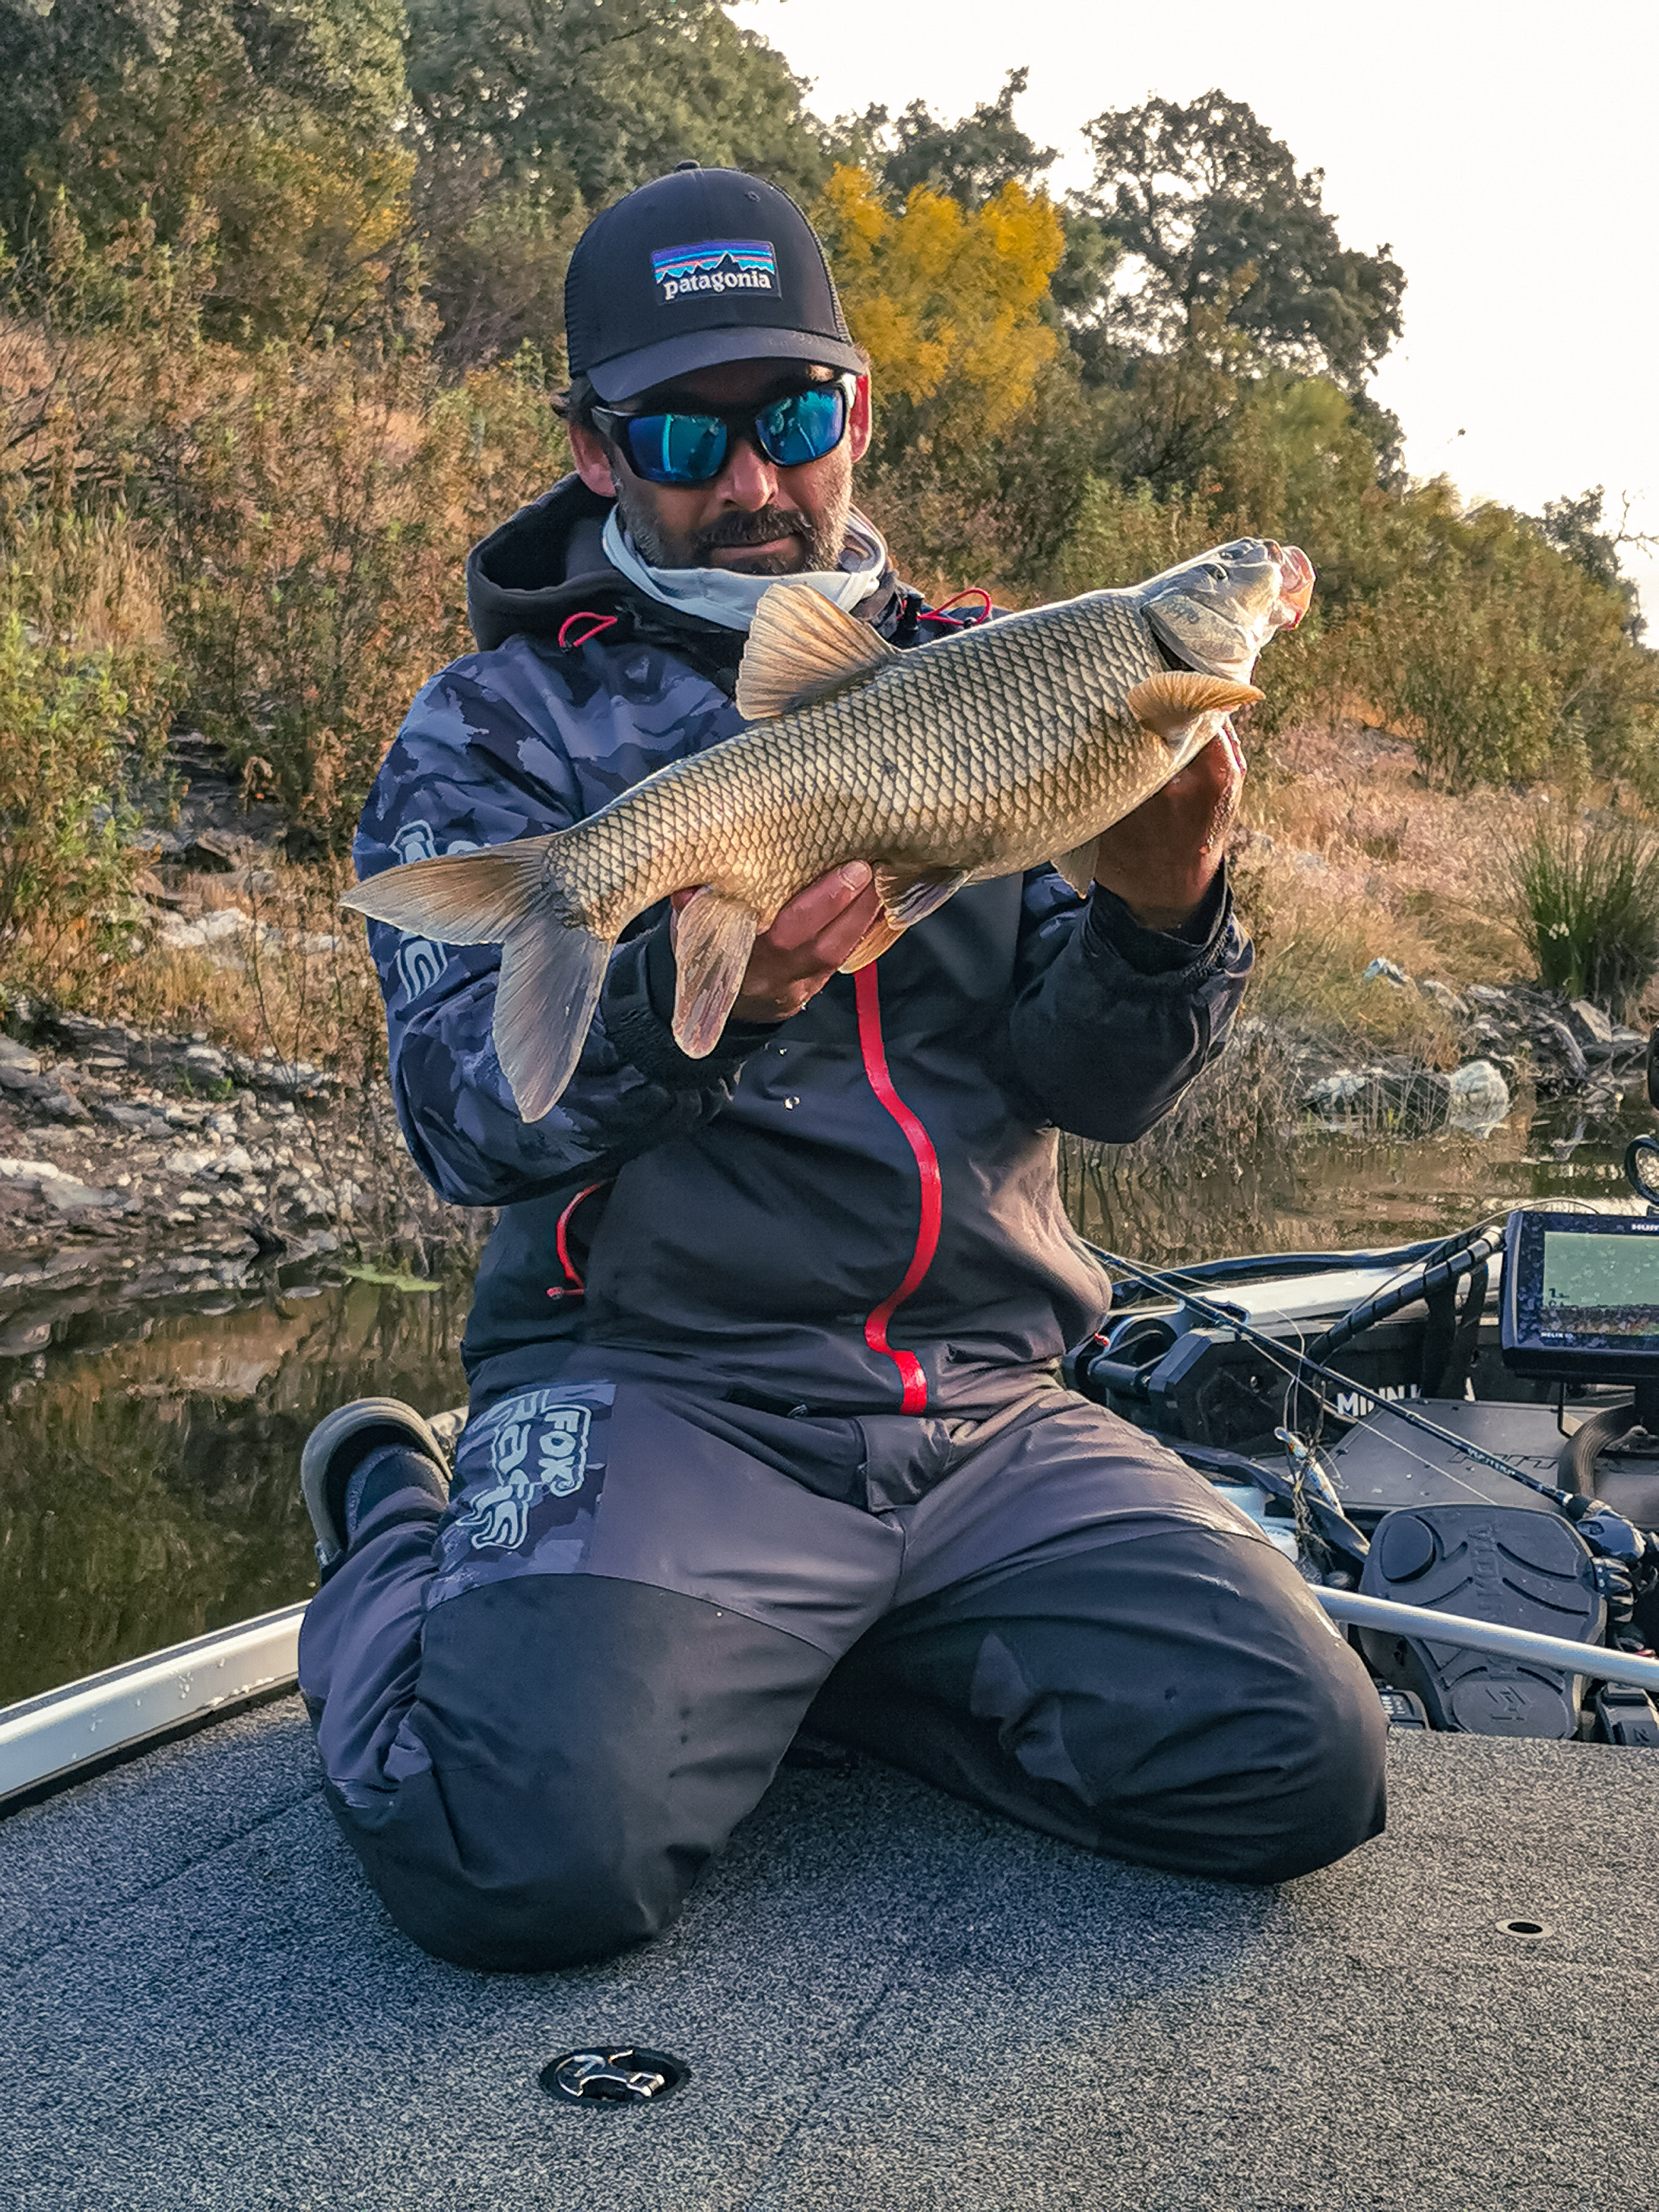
x: 1581, y: 1296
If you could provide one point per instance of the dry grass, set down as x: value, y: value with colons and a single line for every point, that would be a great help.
x: 1366, y: 862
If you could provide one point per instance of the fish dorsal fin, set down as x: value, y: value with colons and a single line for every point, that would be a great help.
x: 801, y: 647
x: 1169, y: 703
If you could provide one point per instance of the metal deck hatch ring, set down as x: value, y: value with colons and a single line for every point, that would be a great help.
x: 1531, y: 1930
x: 614, y: 2074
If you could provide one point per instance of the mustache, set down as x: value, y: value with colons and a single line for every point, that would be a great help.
x: 760, y: 528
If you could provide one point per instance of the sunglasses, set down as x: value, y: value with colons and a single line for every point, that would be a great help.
x: 692, y: 448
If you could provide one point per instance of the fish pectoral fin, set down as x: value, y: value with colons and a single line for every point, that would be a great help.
x: 908, y: 896
x: 712, y: 939
x: 1172, y: 702
x: 801, y: 647
x: 1078, y: 866
x: 460, y: 898
x: 881, y: 937
x: 552, y: 975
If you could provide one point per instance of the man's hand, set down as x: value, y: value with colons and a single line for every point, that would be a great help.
x: 1163, y: 858
x: 809, y: 938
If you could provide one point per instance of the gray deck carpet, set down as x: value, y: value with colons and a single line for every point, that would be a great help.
x: 890, y: 2004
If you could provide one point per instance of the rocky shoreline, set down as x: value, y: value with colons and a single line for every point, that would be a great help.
x: 1517, y: 1036
x: 148, y: 1166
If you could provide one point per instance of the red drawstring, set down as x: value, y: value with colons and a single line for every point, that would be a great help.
x: 915, y: 1400
x: 573, y: 1286
x: 960, y: 622
x: 568, y: 644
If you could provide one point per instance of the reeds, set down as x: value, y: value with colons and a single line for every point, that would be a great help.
x: 1587, y: 904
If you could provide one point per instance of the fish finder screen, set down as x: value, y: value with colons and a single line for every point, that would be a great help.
x: 1599, y: 1287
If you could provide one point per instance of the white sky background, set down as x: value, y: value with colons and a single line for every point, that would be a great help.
x: 1507, y: 154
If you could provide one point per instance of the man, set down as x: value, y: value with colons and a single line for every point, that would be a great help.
x: 765, y: 1425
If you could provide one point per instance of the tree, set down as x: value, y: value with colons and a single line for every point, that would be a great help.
x: 1196, y: 194
x: 271, y: 120
x: 968, y: 160
x: 1574, y: 527
x: 529, y: 114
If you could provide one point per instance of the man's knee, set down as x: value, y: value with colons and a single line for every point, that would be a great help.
x: 1321, y: 1784
x: 521, y: 1881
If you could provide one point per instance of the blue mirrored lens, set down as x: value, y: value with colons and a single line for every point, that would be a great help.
x: 677, y: 448
x: 805, y: 427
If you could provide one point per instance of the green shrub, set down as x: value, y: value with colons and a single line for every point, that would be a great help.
x: 1587, y: 903
x: 80, y: 718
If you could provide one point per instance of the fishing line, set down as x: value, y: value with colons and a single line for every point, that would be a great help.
x: 1230, y: 1317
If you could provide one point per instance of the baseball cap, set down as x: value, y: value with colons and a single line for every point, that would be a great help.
x: 697, y: 268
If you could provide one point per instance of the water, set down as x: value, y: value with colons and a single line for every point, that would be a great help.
x: 149, y: 1487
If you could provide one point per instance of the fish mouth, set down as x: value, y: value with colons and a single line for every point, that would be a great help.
x: 1296, y: 583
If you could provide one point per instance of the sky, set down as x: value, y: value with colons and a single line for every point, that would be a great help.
x: 1506, y: 154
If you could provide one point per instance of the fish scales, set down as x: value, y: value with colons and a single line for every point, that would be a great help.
x: 1009, y: 745
x: 965, y: 771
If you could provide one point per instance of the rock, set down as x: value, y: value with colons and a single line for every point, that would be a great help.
x: 1410, y: 1102
x: 1442, y: 993
x: 1557, y: 1036
x: 1588, y: 1023
x: 1478, y: 1098
x: 184, y: 1160
x: 216, y: 850
x: 17, y: 1058
x: 63, y: 1105
x: 179, y: 934
x: 66, y: 1192
x: 208, y: 1061
x: 1485, y: 994
x: 143, y: 1119
x: 1336, y: 1096
x: 1385, y: 971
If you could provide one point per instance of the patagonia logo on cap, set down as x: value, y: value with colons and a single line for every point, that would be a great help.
x: 718, y: 264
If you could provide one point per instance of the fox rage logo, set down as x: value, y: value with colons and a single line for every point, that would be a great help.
x: 420, y: 964
x: 718, y: 264
x: 539, y: 1451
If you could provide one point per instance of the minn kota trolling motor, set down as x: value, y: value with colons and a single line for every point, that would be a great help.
x: 1473, y: 1613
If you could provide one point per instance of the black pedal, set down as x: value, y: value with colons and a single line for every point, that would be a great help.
x: 1524, y: 1569
x: 1625, y: 1715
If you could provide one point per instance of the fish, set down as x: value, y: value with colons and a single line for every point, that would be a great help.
x: 1012, y: 742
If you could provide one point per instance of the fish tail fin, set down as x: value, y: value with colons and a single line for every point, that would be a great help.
x: 552, y: 965
x: 460, y: 898
x: 713, y: 939
x: 552, y: 971
x: 1172, y: 703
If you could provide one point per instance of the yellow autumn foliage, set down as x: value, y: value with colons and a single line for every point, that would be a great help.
x: 947, y: 302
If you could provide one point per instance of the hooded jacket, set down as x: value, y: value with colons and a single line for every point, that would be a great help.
x: 854, y: 1210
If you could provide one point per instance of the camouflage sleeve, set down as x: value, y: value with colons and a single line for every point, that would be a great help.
x: 498, y: 746
x: 1112, y: 1021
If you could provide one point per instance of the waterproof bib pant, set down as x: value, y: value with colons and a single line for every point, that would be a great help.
x: 547, y: 1706
x: 541, y: 1712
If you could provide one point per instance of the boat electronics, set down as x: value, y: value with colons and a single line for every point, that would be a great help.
x: 1581, y: 1296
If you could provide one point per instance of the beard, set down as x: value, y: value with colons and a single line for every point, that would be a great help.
x: 820, y: 537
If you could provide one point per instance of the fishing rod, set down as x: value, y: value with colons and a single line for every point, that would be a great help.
x: 1606, y: 1533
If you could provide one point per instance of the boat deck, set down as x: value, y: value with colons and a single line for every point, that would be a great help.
x: 888, y: 2003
